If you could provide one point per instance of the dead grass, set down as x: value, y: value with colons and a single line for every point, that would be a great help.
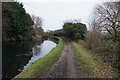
x: 93, y: 66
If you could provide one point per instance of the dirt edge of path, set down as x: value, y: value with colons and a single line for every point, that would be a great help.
x: 65, y: 67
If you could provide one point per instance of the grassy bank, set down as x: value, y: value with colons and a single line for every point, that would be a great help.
x: 39, y: 66
x: 91, y: 65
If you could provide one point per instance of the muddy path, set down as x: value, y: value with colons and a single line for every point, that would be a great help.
x: 65, y: 67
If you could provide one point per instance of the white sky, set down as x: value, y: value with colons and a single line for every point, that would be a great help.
x: 55, y: 12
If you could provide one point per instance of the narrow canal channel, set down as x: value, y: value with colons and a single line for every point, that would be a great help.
x: 16, y: 57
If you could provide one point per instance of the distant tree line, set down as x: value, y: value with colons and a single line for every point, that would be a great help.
x: 72, y: 29
x: 58, y: 32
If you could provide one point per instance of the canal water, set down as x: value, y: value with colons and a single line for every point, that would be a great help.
x: 16, y: 57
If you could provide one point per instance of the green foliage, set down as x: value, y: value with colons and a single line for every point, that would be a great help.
x: 77, y: 36
x: 74, y: 30
x: 39, y: 66
x: 57, y: 33
x: 16, y: 22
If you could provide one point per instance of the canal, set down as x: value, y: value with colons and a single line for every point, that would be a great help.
x: 18, y: 56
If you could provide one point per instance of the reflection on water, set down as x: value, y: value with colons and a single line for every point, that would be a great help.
x: 16, y: 57
x: 39, y: 51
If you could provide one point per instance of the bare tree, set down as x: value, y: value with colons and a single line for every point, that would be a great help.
x: 37, y: 21
x: 94, y: 24
x: 93, y: 35
x: 107, y: 16
x: 38, y: 27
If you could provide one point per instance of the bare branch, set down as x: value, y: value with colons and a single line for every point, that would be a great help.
x: 107, y: 16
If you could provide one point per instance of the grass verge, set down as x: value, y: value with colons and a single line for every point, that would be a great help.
x: 38, y: 67
x: 91, y: 65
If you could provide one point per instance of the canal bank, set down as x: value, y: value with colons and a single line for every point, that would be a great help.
x: 18, y: 56
x: 39, y: 66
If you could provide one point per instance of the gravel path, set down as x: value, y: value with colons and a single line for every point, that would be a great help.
x: 65, y: 67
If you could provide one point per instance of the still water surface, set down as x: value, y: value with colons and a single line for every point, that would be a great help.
x: 17, y: 57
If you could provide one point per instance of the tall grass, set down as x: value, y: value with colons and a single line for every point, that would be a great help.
x: 90, y: 64
x: 38, y: 67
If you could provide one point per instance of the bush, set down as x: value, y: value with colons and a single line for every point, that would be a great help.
x: 19, y: 38
x: 77, y: 36
x: 92, y: 39
x: 74, y: 31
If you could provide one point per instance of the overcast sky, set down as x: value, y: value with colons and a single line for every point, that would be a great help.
x: 55, y: 12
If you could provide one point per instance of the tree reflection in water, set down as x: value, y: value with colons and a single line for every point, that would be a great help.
x: 17, y: 56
